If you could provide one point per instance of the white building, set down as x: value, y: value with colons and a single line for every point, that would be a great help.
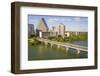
x: 61, y: 29
x: 58, y: 30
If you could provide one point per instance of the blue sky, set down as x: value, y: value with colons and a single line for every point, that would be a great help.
x: 72, y: 23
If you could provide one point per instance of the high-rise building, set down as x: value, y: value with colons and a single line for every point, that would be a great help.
x: 59, y: 29
x: 30, y: 29
x: 42, y: 26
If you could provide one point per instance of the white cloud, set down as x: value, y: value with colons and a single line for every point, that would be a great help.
x: 59, y: 19
x: 66, y: 19
x: 77, y: 18
x: 33, y: 21
x: 53, y: 19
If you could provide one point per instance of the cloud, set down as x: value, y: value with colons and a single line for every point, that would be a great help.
x: 59, y: 19
x: 32, y: 21
x: 77, y: 18
x: 83, y: 19
x: 68, y: 19
x: 53, y: 19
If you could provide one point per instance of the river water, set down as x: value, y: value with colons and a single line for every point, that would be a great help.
x: 42, y: 52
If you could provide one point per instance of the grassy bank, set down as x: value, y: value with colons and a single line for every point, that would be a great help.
x: 33, y: 41
x: 71, y: 38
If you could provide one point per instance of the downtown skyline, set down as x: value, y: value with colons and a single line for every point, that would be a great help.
x: 72, y: 23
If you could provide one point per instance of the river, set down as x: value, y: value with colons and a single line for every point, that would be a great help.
x: 42, y: 52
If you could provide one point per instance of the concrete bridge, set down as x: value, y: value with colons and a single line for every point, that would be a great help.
x: 62, y: 44
x: 65, y: 45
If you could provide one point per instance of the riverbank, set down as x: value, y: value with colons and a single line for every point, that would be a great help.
x: 68, y: 39
x: 71, y: 38
x: 35, y: 41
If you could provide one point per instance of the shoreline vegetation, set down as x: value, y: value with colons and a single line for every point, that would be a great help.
x: 59, y: 38
x: 33, y: 41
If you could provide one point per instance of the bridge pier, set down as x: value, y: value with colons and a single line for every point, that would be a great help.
x: 46, y: 43
x: 78, y: 51
x: 51, y: 45
x: 66, y: 49
x: 58, y: 46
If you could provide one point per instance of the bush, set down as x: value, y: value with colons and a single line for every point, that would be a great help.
x: 34, y: 42
x: 73, y: 37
